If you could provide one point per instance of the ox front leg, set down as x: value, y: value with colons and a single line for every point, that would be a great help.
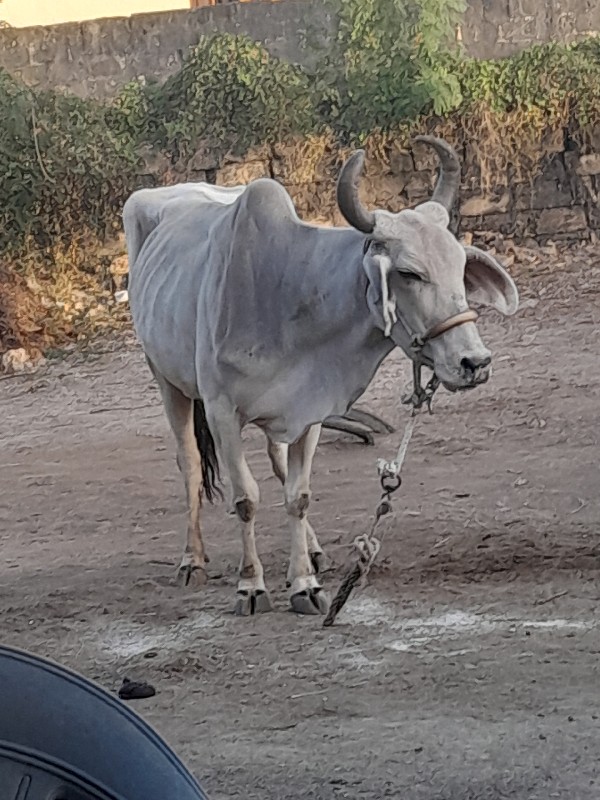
x: 278, y: 455
x: 252, y: 594
x: 307, y: 596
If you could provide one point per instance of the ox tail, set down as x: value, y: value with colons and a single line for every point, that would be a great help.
x: 211, y: 474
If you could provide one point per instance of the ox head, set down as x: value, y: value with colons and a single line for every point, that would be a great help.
x: 422, y: 280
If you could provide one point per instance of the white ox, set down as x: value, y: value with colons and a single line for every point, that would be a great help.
x: 249, y: 316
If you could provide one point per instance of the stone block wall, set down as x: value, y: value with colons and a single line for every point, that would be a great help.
x: 561, y: 203
x: 95, y: 58
x: 498, y: 28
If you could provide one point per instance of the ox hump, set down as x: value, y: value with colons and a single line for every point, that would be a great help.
x: 266, y: 199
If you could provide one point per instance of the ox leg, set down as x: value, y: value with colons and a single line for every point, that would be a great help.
x: 358, y: 423
x: 369, y: 420
x: 278, y: 455
x: 336, y: 423
x: 307, y: 596
x: 180, y: 413
x: 252, y: 594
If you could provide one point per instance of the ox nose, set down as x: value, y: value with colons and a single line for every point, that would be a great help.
x: 472, y: 364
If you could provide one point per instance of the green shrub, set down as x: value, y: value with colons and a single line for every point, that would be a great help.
x: 231, y: 93
x: 393, y: 61
x: 63, y: 174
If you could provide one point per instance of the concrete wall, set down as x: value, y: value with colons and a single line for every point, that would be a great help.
x: 497, y: 28
x: 24, y: 13
x: 92, y: 59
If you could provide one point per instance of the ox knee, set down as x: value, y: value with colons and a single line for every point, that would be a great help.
x: 297, y: 507
x: 245, y: 509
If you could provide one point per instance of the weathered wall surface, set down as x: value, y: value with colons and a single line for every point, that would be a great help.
x: 561, y: 203
x: 93, y: 59
x: 498, y: 28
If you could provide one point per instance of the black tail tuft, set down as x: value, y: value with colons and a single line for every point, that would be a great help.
x: 208, y: 454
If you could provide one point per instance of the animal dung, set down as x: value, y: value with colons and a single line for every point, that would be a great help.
x: 134, y: 690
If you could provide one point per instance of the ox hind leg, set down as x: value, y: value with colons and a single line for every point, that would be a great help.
x: 307, y: 596
x: 252, y: 594
x: 180, y: 414
x: 278, y: 455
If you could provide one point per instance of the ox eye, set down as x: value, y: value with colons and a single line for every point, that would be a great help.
x: 411, y: 276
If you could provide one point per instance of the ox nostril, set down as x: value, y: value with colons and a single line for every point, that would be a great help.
x: 473, y: 364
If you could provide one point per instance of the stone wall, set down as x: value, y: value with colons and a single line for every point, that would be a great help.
x: 561, y: 203
x: 498, y: 28
x: 92, y: 59
x: 95, y: 58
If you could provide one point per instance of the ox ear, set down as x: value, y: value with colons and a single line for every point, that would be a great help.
x: 488, y: 283
x: 379, y: 298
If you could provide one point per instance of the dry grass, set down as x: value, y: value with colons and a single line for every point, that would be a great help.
x: 49, y: 303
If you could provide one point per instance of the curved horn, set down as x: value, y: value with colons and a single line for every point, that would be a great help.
x: 347, y: 194
x: 448, y: 182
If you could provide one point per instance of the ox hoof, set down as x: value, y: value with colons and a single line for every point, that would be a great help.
x: 310, y: 601
x: 252, y: 602
x: 320, y: 563
x: 191, y: 576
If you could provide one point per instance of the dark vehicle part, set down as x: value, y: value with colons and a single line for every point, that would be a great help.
x: 62, y: 737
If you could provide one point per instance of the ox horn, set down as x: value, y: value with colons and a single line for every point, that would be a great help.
x: 448, y: 182
x: 347, y: 194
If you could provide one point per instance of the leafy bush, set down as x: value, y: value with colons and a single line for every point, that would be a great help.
x: 90, y: 170
x: 63, y: 174
x: 20, y: 174
x: 233, y: 94
x: 518, y: 110
x: 135, y: 112
x: 393, y: 60
x: 555, y: 79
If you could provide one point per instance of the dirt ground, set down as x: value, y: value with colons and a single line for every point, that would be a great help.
x: 467, y: 668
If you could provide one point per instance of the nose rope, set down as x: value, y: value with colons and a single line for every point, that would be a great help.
x: 367, y: 544
x: 419, y: 341
x: 420, y: 395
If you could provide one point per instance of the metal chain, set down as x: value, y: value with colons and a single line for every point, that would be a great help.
x: 366, y: 544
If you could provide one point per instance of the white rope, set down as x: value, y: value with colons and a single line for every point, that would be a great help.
x: 393, y: 468
x: 367, y: 545
x: 402, y: 450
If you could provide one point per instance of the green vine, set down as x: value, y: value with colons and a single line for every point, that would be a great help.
x: 551, y: 78
x: 392, y: 60
x: 64, y: 174
x: 230, y: 93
